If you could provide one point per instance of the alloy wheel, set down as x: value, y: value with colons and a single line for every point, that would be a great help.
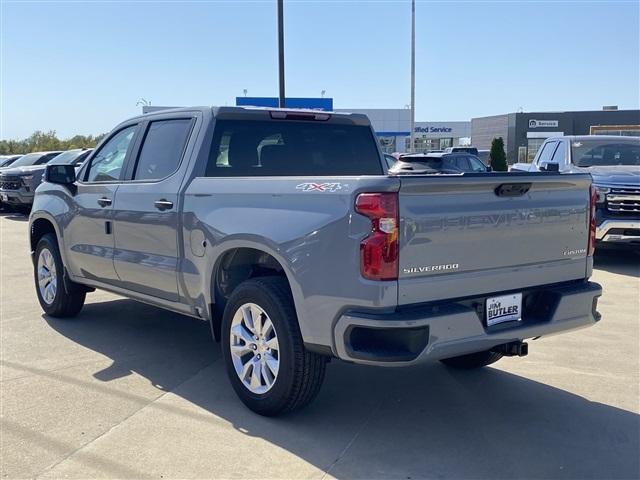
x: 254, y: 348
x: 47, y: 277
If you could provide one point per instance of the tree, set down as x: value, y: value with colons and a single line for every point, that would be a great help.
x: 497, y: 157
x: 42, y: 141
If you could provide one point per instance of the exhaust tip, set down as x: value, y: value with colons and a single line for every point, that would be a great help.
x: 513, y: 349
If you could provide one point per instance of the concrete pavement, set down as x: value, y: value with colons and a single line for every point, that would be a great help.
x: 126, y: 390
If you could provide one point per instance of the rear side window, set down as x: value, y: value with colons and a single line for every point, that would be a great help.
x: 243, y: 148
x: 162, y: 148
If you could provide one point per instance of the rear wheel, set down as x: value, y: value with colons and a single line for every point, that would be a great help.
x: 48, y: 273
x: 473, y: 360
x: 267, y: 364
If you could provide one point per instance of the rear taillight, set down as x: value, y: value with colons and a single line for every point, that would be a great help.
x: 379, y: 251
x: 591, y: 219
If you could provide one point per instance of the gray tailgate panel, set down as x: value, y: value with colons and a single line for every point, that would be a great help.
x: 458, y: 238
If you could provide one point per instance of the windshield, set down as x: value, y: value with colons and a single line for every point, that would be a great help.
x: 28, y: 160
x: 67, y: 157
x: 591, y: 153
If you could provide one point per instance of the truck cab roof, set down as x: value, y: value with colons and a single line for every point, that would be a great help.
x: 265, y: 113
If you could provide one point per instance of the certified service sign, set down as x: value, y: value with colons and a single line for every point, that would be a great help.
x: 542, y: 123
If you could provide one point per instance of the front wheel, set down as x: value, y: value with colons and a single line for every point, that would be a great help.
x: 267, y: 364
x: 473, y: 360
x: 48, y: 273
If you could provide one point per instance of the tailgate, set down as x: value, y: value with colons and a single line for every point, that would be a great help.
x: 472, y: 234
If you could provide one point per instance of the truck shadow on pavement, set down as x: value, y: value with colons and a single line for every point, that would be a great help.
x: 14, y: 216
x: 424, y: 421
x: 618, y: 260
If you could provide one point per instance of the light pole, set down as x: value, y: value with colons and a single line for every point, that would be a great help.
x: 281, y: 52
x: 413, y: 75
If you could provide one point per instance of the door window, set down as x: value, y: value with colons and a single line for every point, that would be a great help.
x: 162, y: 148
x: 559, y: 155
x: 107, y: 164
x: 462, y: 163
x: 477, y: 165
x: 547, y: 152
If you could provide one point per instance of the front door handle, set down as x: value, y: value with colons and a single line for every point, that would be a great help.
x: 163, y: 204
x: 104, y: 202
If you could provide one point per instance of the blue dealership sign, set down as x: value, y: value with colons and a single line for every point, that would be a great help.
x: 290, y: 102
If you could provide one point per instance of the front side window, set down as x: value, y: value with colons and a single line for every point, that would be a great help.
x: 162, y: 148
x: 107, y: 164
x: 547, y: 152
x: 559, y: 155
x: 477, y: 165
x: 462, y: 163
x: 244, y: 148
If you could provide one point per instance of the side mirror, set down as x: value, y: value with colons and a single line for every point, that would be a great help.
x: 60, y: 174
x: 550, y: 167
x: 489, y: 169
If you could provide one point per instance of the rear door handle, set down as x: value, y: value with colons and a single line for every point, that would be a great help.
x: 163, y: 204
x: 104, y: 202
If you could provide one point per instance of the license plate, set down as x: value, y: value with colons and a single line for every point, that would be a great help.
x: 507, y: 308
x: 4, y: 197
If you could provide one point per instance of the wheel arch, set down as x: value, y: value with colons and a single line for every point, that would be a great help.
x: 40, y: 226
x: 235, y: 265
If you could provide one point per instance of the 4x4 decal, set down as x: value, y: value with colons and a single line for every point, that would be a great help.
x: 320, y: 187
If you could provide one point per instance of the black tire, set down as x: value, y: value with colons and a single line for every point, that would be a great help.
x: 473, y: 360
x: 301, y: 372
x: 65, y: 303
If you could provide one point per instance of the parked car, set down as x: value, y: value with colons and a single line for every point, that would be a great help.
x: 283, y: 231
x: 6, y: 160
x: 18, y: 184
x: 446, y: 163
x: 471, y: 150
x: 19, y: 180
x: 614, y: 164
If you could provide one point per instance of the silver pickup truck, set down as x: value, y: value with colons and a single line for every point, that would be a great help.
x: 614, y: 165
x: 284, y: 230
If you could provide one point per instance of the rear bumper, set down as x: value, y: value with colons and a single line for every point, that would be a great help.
x: 456, y: 328
x: 618, y: 231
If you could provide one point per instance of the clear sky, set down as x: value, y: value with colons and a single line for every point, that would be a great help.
x: 80, y: 67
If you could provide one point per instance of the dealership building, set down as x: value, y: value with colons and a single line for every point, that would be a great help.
x: 524, y: 133
x: 393, y: 129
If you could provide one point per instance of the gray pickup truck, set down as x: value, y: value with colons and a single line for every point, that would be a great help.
x: 614, y: 164
x: 284, y: 230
